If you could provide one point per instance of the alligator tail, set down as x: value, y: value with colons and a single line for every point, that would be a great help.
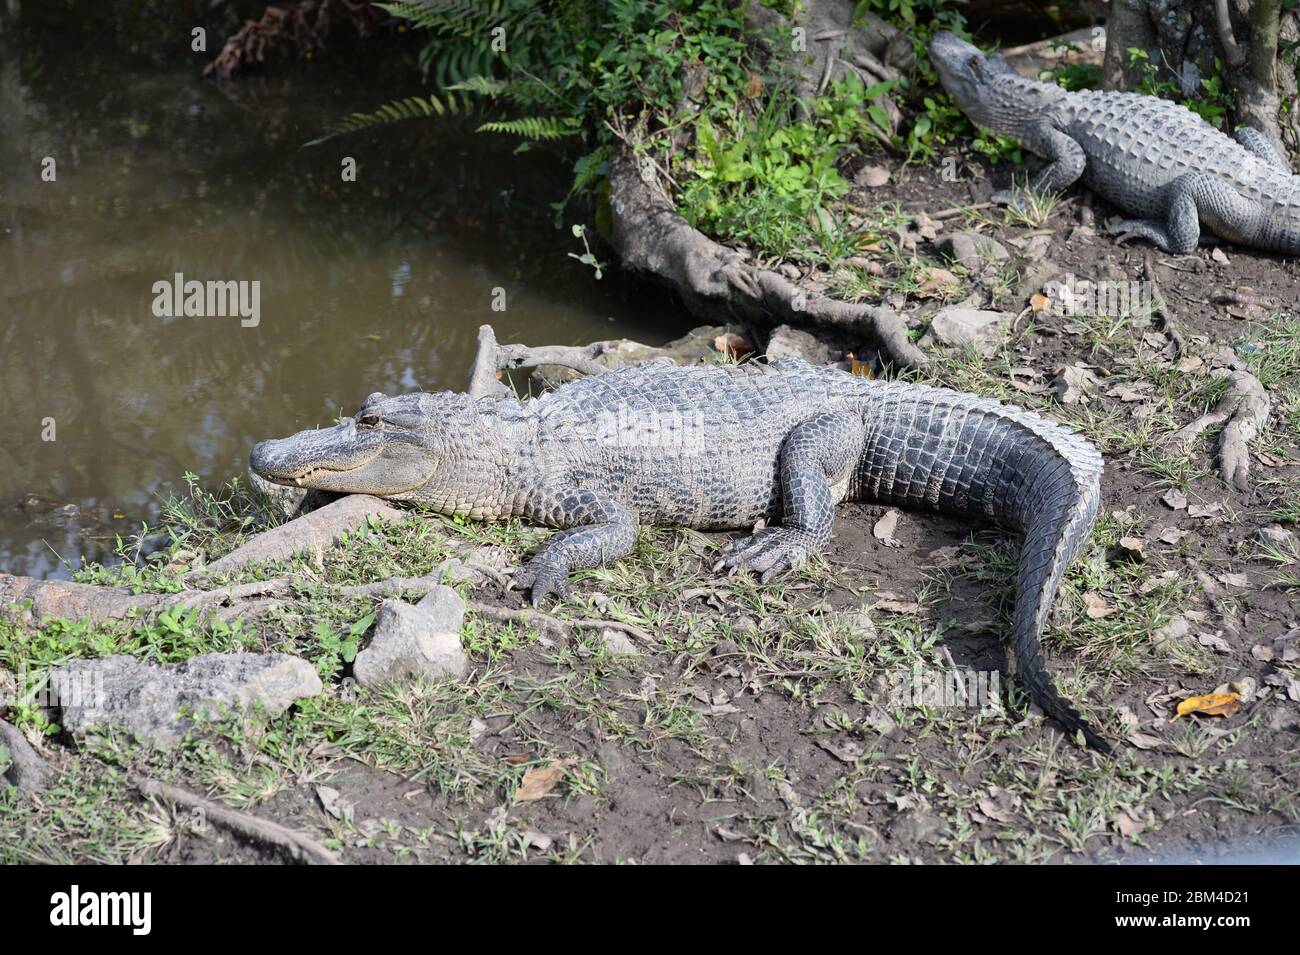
x: 936, y: 448
x: 1053, y: 535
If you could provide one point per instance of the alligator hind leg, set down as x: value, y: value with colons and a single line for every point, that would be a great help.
x: 1192, y: 199
x: 1262, y: 146
x: 819, y: 452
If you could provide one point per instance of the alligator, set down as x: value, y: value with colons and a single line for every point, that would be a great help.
x: 721, y: 447
x: 1152, y: 158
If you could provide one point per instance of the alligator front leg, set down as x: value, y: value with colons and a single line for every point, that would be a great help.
x: 818, y: 453
x: 1192, y: 199
x: 1066, y: 162
x: 600, y: 530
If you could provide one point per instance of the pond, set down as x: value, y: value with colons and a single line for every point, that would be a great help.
x: 117, y: 174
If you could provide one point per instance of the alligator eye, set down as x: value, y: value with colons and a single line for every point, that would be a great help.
x: 368, y: 421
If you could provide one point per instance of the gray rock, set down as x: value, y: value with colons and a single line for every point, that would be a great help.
x: 1277, y: 536
x: 968, y: 327
x: 412, y: 642
x: 787, y: 342
x: 972, y: 250
x: 446, y: 608
x: 617, y: 641
x: 160, y: 704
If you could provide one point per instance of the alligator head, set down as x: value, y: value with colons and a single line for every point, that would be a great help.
x: 988, y: 89
x: 393, y: 447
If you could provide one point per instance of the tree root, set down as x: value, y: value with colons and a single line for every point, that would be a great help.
x: 297, y: 846
x: 51, y: 599
x: 1242, y: 412
x: 1172, y: 325
x: 650, y: 237
x: 27, y: 770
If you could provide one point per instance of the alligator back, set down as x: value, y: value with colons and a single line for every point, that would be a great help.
x: 1136, y: 145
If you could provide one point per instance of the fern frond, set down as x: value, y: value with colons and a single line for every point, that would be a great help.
x: 482, y: 85
x: 467, y: 18
x: 536, y: 127
x: 413, y: 107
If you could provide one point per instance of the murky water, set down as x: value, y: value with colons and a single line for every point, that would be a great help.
x: 378, y: 284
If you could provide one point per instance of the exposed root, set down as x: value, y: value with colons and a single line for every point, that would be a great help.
x: 51, y: 600
x: 27, y: 770
x: 1242, y: 412
x: 650, y: 237
x: 1172, y: 325
x: 297, y: 846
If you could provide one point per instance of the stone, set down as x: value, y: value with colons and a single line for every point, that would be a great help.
x: 972, y: 250
x: 412, y: 642
x: 788, y: 342
x: 617, y: 641
x: 961, y: 327
x: 1277, y: 536
x: 446, y: 608
x: 161, y: 704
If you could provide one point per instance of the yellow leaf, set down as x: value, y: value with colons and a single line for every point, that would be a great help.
x: 1039, y: 302
x: 860, y: 368
x: 1211, y: 704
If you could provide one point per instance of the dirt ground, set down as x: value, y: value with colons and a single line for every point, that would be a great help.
x: 758, y: 723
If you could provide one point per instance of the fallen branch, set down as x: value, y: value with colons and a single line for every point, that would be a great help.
x: 493, y: 357
x: 27, y: 770
x: 1242, y: 412
x: 297, y: 846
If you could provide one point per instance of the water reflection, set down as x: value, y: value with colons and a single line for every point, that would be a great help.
x: 374, y: 285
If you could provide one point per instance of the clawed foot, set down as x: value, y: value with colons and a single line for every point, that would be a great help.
x: 1125, y: 229
x: 544, y: 578
x: 771, y: 551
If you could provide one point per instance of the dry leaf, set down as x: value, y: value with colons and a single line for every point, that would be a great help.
x: 873, y: 177
x: 540, y: 780
x: 733, y: 345
x: 1175, y: 499
x: 1039, y: 303
x: 1133, y: 545
x: 883, y: 530
x: 935, y: 282
x: 1211, y: 704
x: 1096, y: 607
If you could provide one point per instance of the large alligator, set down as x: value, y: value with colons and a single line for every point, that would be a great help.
x: 719, y: 447
x: 1154, y: 159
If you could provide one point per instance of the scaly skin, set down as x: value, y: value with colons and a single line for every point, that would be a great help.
x: 719, y: 447
x: 1154, y: 159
